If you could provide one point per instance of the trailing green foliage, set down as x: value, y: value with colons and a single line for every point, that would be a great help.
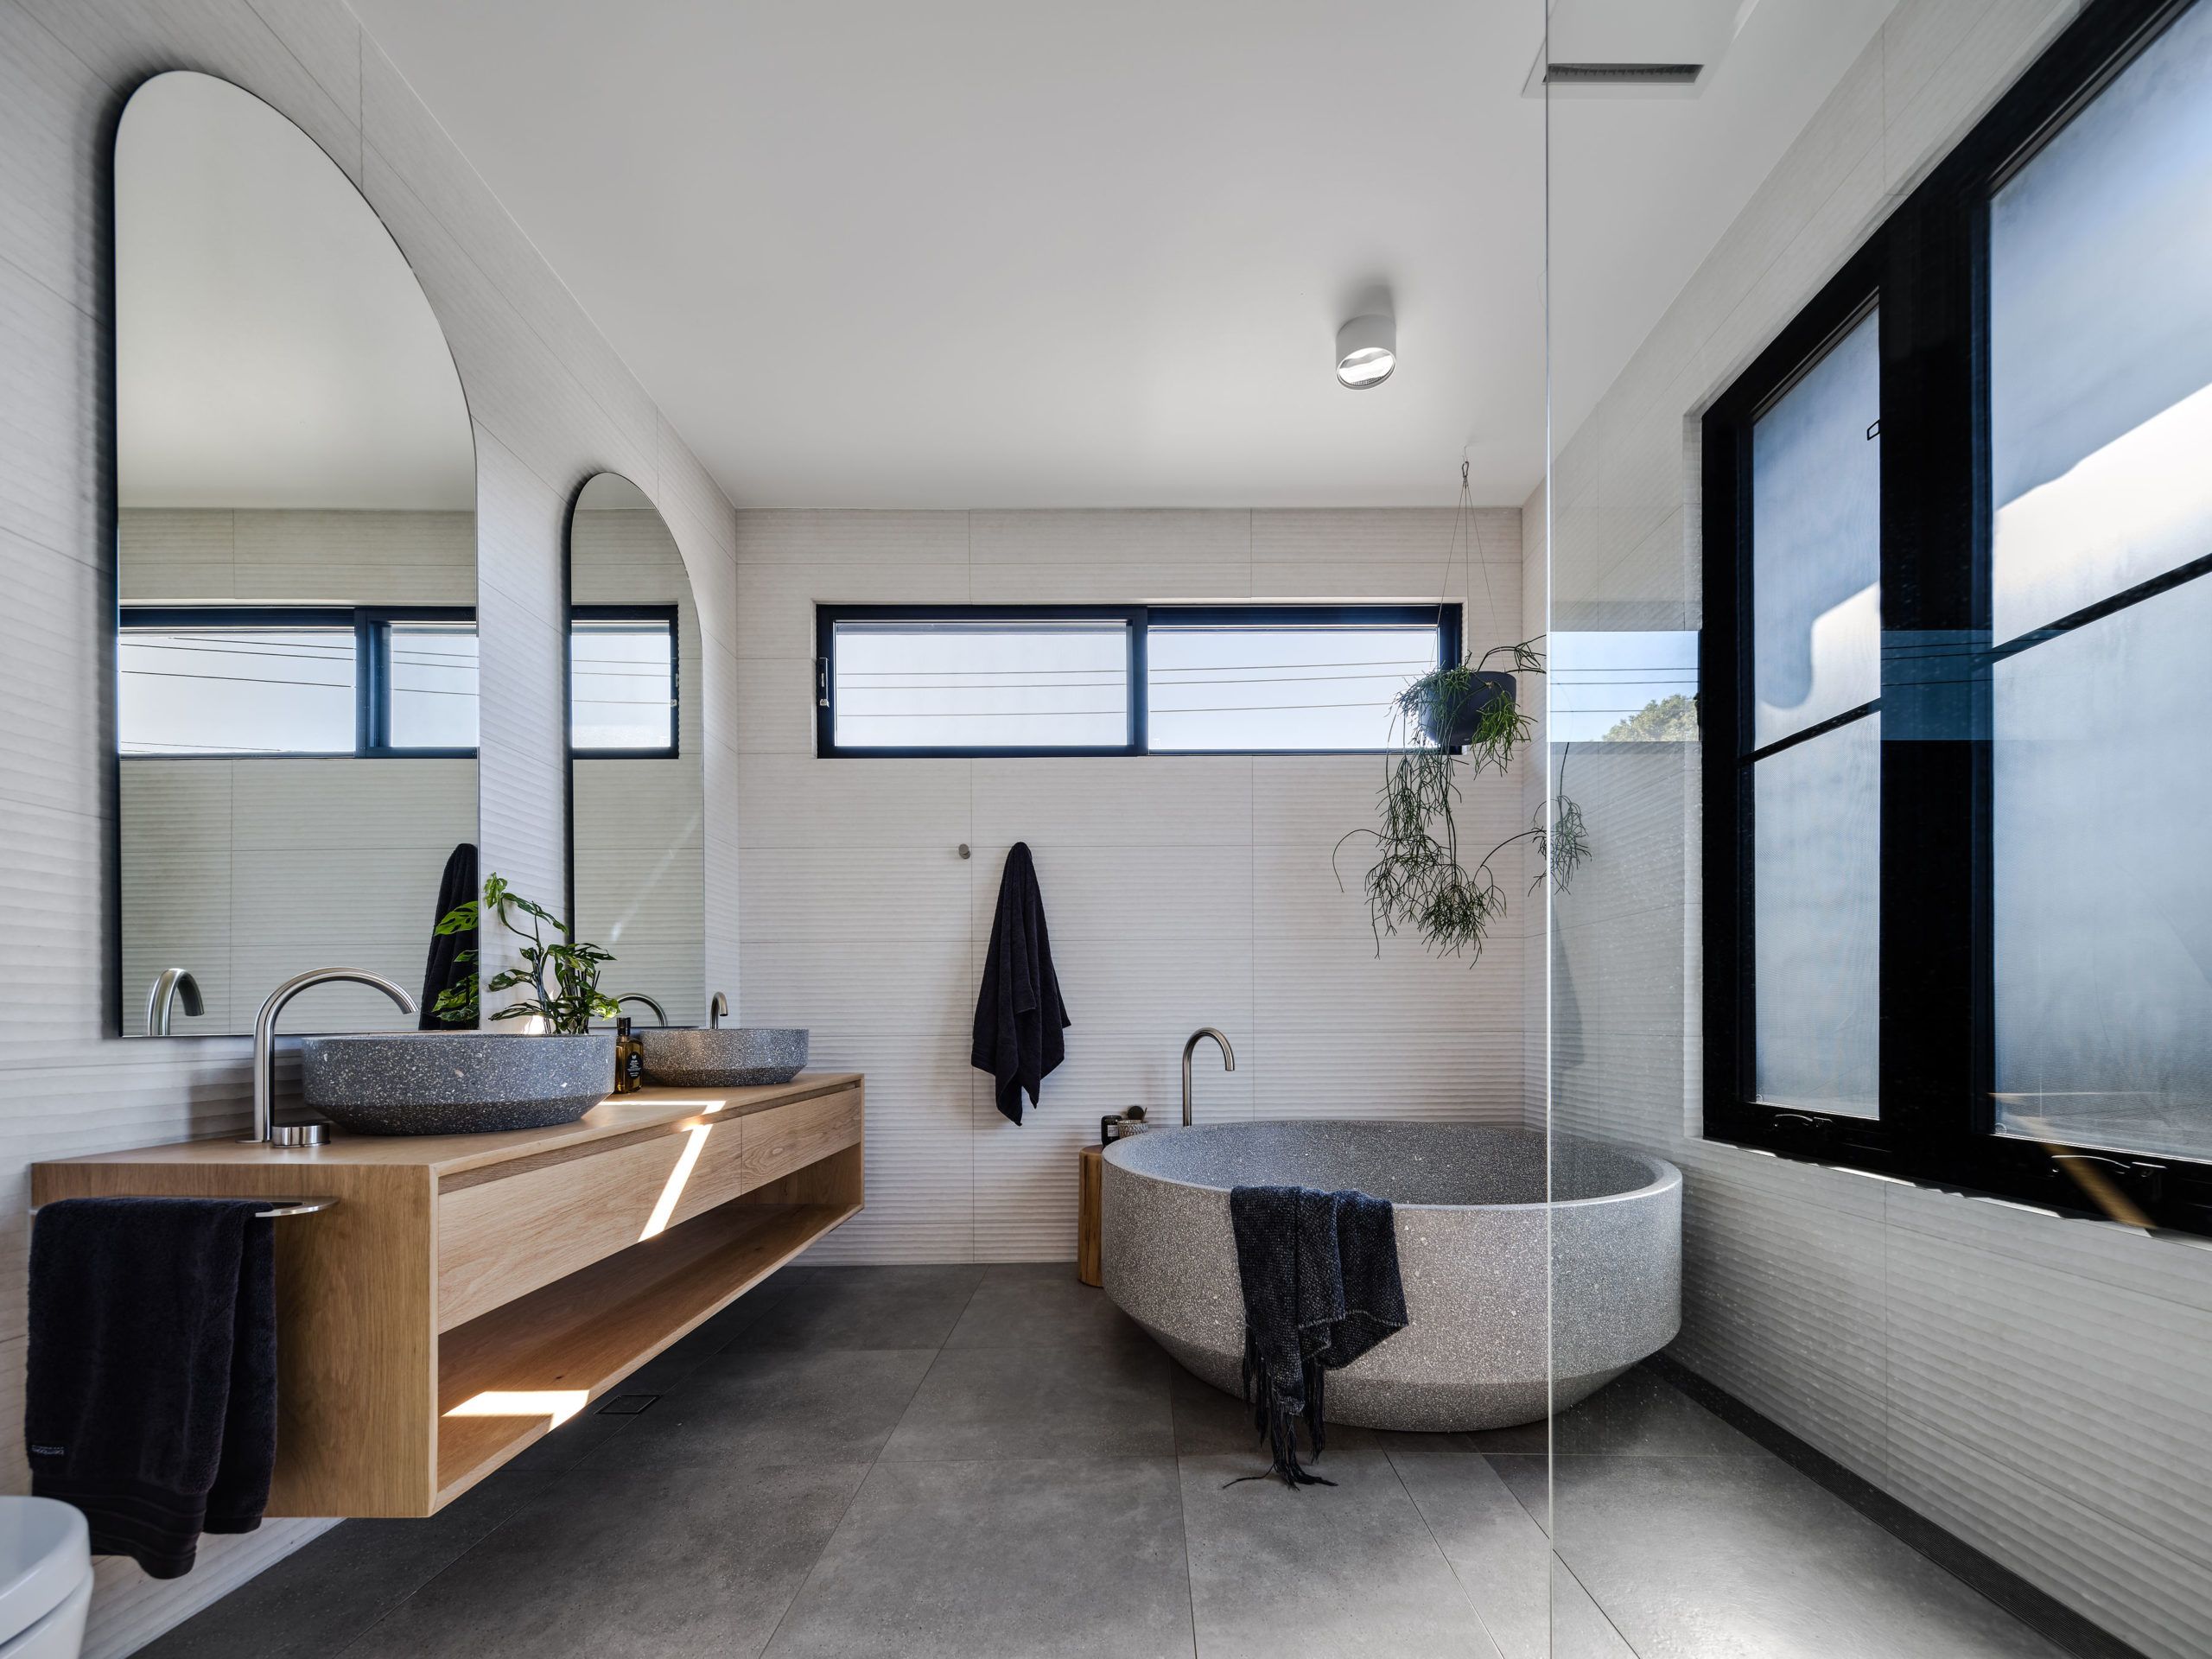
x: 1419, y: 879
x: 572, y: 999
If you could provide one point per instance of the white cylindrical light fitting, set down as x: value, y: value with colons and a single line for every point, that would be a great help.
x: 1367, y: 350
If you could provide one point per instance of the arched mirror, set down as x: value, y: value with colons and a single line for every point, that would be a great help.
x: 637, y: 786
x: 297, y: 648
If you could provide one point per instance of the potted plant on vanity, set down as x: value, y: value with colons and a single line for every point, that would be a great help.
x: 467, y: 1081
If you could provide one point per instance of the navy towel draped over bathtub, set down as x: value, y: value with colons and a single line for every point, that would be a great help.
x: 1019, y: 1013
x: 1320, y: 1275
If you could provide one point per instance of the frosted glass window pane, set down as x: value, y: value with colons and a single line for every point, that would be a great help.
x: 236, y: 690
x: 981, y: 684
x: 2101, y: 342
x: 2102, y: 891
x: 1816, y: 866
x: 1816, y: 542
x: 1281, y: 687
x: 434, y: 685
x: 621, y: 684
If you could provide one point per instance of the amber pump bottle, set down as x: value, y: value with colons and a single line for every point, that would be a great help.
x: 627, y: 1070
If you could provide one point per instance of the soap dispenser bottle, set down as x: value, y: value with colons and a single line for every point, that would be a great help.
x: 627, y: 1070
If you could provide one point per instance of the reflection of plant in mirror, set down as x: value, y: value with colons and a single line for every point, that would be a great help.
x: 1418, y: 878
x: 573, y: 999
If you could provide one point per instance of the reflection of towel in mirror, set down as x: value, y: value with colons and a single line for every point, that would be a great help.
x: 1320, y: 1273
x: 1019, y: 1013
x: 457, y: 887
x: 150, y: 1402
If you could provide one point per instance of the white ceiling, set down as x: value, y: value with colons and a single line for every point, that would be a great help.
x: 273, y: 349
x: 993, y: 252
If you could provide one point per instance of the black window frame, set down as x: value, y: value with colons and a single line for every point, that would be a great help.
x: 370, y: 626
x: 1927, y: 267
x: 1447, y: 618
x: 668, y: 615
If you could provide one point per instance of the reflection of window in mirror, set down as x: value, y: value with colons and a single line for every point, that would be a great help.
x: 296, y: 658
x: 636, y: 781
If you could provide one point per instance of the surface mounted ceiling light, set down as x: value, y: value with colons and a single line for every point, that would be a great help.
x: 1367, y: 350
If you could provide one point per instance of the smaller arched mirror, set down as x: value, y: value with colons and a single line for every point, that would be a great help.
x: 637, y: 786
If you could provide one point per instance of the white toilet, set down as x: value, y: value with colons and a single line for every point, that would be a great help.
x: 46, y: 1579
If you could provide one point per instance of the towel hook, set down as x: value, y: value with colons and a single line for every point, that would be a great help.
x: 964, y: 849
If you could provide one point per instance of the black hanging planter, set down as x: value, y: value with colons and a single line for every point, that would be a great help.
x: 1454, y: 706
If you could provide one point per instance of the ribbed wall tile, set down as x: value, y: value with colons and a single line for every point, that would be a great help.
x: 776, y: 601
x: 837, y: 537
x: 1086, y: 538
x: 536, y: 375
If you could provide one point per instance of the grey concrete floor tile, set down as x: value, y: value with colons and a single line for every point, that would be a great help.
x: 1038, y: 1402
x: 1042, y: 1305
x: 624, y: 1562
x: 1211, y: 1423
x: 774, y: 1406
x: 1502, y: 1561
x: 1324, y: 1570
x: 1637, y: 1414
x: 318, y: 1596
x: 1696, y: 1556
x: 865, y: 1307
x: 1069, y: 1557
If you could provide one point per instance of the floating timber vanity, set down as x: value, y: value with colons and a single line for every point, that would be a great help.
x: 468, y: 1293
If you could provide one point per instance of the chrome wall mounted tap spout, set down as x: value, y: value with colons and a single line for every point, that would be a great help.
x: 173, y: 984
x: 1228, y: 1062
x: 717, y: 1011
x: 660, y: 1014
x: 266, y: 1129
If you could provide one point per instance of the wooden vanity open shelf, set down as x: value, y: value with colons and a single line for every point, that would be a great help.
x: 468, y: 1293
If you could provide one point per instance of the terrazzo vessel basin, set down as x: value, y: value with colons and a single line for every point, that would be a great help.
x: 726, y: 1057
x: 454, y: 1081
x: 1475, y: 1238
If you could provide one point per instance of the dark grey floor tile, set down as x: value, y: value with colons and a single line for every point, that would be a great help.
x: 865, y: 1307
x: 318, y: 1597
x: 1042, y: 1305
x: 1069, y: 1557
x: 1722, y: 1555
x: 1504, y: 1563
x: 774, y: 1406
x: 1038, y: 1402
x: 1211, y: 1423
x: 625, y: 1562
x: 1639, y: 1414
x: 1323, y: 1570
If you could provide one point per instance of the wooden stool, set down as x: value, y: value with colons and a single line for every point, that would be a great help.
x: 1090, y: 1194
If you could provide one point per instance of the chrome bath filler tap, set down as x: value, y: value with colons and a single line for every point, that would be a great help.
x: 1228, y: 1062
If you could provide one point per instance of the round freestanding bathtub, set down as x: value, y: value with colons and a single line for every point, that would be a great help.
x: 1476, y: 1239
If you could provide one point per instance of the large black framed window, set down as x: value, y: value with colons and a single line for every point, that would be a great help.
x: 1957, y: 685
x: 968, y: 680
x: 237, y: 682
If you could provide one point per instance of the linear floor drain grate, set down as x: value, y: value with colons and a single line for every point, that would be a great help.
x: 627, y: 1405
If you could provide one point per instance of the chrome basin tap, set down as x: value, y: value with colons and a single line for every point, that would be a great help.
x: 266, y: 1129
x: 660, y: 1014
x: 174, y: 984
x: 1228, y: 1062
x: 717, y: 1011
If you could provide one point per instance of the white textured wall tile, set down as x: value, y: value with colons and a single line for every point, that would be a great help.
x: 776, y: 601
x: 537, y: 377
x: 851, y: 537
x: 2028, y: 1382
x: 1085, y: 538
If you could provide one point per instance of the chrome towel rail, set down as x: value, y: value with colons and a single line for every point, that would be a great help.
x: 278, y: 1209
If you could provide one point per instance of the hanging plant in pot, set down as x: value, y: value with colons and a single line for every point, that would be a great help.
x: 1468, y: 712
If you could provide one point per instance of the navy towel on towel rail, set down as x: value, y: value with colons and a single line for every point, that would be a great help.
x: 150, y: 1402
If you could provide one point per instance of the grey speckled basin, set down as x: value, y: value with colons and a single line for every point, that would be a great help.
x: 1477, y: 1240
x: 729, y: 1057
x: 454, y: 1081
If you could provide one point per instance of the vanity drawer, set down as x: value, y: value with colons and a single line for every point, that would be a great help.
x: 501, y: 1238
x: 784, y: 1139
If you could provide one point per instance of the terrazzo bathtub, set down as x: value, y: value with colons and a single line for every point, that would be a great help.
x: 1475, y: 1234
